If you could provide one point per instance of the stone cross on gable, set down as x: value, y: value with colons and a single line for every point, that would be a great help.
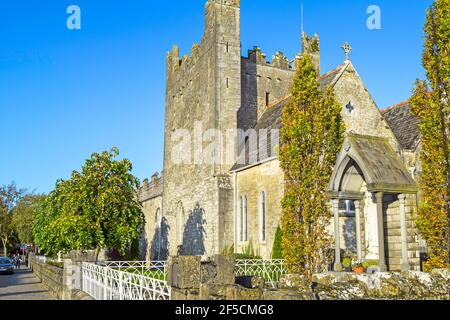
x: 347, y: 49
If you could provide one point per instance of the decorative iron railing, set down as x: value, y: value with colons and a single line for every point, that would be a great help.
x: 107, y: 283
x: 152, y: 269
x: 270, y: 270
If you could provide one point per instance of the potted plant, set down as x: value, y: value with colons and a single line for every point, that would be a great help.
x: 370, y: 265
x: 347, y: 264
x: 358, y: 268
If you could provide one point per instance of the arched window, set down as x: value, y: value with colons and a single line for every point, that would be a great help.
x: 244, y: 217
x: 262, y: 217
x: 158, y: 218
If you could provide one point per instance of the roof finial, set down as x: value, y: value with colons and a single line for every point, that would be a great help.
x: 347, y: 49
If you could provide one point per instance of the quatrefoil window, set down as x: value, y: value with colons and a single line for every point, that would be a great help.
x: 350, y: 107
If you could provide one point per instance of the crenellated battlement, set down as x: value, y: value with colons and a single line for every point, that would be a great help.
x: 279, y: 60
x: 151, y: 189
x: 175, y: 64
x: 311, y: 45
x: 231, y: 3
x: 213, y: 17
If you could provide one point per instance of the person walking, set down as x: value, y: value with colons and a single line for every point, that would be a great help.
x: 17, y: 261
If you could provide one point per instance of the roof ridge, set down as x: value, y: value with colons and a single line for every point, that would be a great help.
x: 331, y: 71
x: 275, y: 103
x: 395, y: 106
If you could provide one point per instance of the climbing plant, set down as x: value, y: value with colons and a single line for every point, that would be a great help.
x: 430, y: 103
x: 311, y: 138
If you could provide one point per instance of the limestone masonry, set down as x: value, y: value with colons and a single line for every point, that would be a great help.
x: 197, y: 209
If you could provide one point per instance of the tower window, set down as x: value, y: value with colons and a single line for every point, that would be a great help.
x: 228, y: 47
x: 228, y: 83
x: 267, y: 99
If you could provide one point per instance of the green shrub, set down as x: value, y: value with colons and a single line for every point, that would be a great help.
x: 277, y: 252
x: 134, y: 251
x: 370, y: 263
x: 248, y: 254
x: 347, y: 263
x: 228, y: 251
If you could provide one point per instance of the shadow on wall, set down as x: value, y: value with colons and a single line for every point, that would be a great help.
x: 194, y: 234
x: 143, y: 245
x: 159, y: 250
x: 247, y: 114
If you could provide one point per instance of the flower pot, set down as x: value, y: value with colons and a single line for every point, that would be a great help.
x: 358, y: 270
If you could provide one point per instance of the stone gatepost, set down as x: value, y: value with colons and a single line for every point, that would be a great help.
x: 192, y: 279
x: 73, y: 273
x: 68, y: 282
x: 183, y: 276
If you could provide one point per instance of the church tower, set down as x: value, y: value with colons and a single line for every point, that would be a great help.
x: 311, y: 45
x: 203, y: 94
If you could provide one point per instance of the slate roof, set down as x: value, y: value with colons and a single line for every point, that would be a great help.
x: 271, y: 119
x: 404, y: 125
x: 383, y: 168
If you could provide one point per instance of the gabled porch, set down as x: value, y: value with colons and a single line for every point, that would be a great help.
x: 374, y: 198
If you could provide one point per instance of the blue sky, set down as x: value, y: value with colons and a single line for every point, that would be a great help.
x: 65, y: 94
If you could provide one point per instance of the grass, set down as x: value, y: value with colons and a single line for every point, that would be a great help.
x: 270, y: 273
x: 154, y: 274
x: 56, y: 264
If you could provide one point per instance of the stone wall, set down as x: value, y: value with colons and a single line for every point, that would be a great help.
x: 393, y: 241
x: 156, y: 232
x: 267, y: 178
x: 360, y: 112
x: 259, y: 78
x: 62, y: 283
x: 51, y: 277
x: 410, y: 285
x: 192, y: 279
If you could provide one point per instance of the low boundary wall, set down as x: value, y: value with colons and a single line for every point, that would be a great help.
x: 58, y: 281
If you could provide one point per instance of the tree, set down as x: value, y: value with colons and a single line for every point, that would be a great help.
x: 6, y: 230
x: 430, y: 103
x: 311, y: 136
x: 10, y: 195
x: 97, y: 208
x: 23, y: 217
x: 277, y: 251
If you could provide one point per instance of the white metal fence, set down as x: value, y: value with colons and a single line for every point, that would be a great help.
x: 108, y: 283
x: 152, y: 269
x: 270, y: 270
x: 140, y: 280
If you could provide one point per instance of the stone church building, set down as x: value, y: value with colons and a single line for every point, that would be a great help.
x: 204, y: 208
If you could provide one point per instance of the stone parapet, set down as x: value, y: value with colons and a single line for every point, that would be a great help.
x: 192, y: 279
x: 51, y: 277
x: 63, y: 283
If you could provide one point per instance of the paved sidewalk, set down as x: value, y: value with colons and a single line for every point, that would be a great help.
x: 22, y: 286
